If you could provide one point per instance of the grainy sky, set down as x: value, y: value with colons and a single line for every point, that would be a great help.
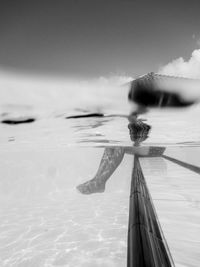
x: 92, y: 38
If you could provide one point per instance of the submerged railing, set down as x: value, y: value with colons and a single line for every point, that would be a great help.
x: 146, y: 243
x: 186, y: 165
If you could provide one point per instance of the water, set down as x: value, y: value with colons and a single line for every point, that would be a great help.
x: 45, y: 220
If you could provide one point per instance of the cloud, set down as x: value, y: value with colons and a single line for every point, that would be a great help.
x: 183, y: 68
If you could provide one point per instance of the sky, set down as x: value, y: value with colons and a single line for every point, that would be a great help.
x: 94, y: 38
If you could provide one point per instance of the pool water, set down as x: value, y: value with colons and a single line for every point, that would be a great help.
x: 45, y: 220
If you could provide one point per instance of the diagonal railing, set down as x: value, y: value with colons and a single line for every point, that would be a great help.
x: 183, y: 164
x: 146, y: 244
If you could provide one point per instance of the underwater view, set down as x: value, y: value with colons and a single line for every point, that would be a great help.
x: 99, y: 133
x: 68, y: 191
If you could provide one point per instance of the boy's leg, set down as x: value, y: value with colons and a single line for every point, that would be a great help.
x: 111, y: 159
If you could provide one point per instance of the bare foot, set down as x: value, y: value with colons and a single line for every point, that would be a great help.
x: 92, y: 186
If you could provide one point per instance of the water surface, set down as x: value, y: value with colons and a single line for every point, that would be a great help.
x: 46, y: 221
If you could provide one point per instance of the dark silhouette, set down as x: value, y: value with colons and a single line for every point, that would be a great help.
x: 18, y: 121
x: 85, y: 116
x: 147, y: 91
